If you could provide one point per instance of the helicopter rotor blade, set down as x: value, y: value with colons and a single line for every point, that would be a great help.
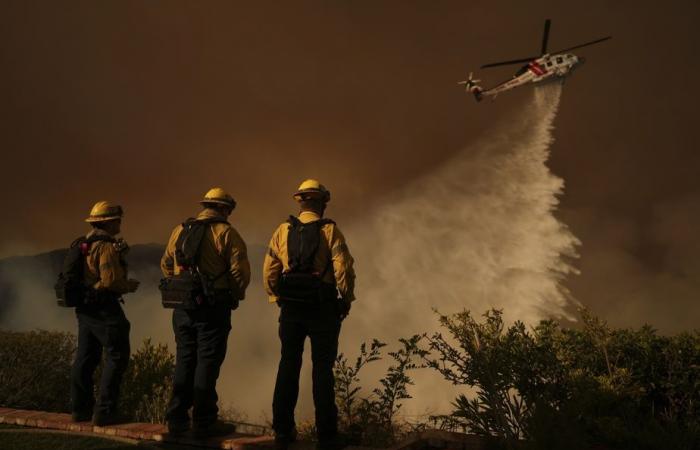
x: 545, y: 36
x: 506, y: 63
x: 584, y: 45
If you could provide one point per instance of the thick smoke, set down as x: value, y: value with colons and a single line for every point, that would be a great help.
x: 478, y: 232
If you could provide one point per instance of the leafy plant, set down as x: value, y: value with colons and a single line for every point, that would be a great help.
x: 560, y: 388
x: 147, y: 383
x: 485, y: 357
x: 35, y: 369
x: 371, y: 420
x: 347, y: 379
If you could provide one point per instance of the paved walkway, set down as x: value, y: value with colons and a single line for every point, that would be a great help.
x: 140, y: 431
x: 427, y: 440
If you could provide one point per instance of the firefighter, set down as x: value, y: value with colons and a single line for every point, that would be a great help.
x: 201, y: 330
x: 308, y: 273
x: 102, y: 325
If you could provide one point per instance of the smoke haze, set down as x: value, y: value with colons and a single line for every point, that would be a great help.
x: 150, y: 104
x: 477, y: 232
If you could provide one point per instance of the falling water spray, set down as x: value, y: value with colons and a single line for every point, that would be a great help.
x: 478, y: 232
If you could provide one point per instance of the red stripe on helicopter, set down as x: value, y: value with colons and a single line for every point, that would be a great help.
x: 537, y: 69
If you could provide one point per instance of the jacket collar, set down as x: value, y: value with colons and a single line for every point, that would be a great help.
x: 308, y: 216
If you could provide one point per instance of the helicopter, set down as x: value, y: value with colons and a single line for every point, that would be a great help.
x: 546, y: 67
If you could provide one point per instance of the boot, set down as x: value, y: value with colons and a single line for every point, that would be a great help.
x: 282, y: 440
x: 81, y: 416
x: 105, y: 419
x: 178, y: 428
x: 215, y: 429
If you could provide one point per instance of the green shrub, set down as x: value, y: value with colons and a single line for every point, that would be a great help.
x: 147, y: 383
x: 35, y: 372
x: 35, y: 369
x: 570, y: 388
x: 371, y: 420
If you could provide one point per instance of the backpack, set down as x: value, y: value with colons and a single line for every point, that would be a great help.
x: 190, y: 289
x: 302, y: 282
x: 70, y: 287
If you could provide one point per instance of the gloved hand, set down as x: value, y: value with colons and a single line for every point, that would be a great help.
x: 345, y: 306
x: 132, y: 284
x: 121, y: 246
x: 235, y: 304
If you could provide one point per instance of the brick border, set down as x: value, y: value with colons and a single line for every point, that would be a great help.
x: 136, y: 431
x: 430, y: 439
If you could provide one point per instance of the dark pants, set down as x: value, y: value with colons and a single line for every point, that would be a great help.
x: 201, y: 338
x: 99, y: 327
x: 322, y: 326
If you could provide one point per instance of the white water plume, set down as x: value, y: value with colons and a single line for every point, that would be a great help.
x: 476, y: 233
x: 479, y: 232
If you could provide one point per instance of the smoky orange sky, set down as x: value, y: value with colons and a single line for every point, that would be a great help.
x: 151, y: 103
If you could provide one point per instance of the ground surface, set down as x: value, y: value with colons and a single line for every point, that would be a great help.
x: 19, y: 438
x: 39, y: 429
x: 14, y: 437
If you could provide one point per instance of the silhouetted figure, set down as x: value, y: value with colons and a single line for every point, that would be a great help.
x: 207, y: 271
x: 308, y: 273
x: 101, y: 320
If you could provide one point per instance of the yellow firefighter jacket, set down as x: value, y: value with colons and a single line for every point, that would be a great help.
x: 106, y: 268
x: 222, y: 252
x: 332, y: 246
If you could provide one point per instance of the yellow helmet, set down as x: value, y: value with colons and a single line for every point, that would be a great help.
x: 312, y: 188
x: 218, y: 195
x: 104, y: 211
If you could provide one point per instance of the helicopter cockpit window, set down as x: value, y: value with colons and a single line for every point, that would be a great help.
x: 522, y: 70
x: 560, y: 60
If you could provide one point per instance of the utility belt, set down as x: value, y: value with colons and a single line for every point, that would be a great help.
x: 69, y: 295
x: 305, y: 289
x: 191, y: 290
x: 101, y: 297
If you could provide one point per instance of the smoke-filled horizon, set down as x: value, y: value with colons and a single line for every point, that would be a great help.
x: 477, y: 232
x: 150, y: 104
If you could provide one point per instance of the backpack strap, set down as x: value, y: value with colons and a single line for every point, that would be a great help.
x: 211, y: 221
x: 180, y: 240
x: 85, y: 243
x: 294, y: 222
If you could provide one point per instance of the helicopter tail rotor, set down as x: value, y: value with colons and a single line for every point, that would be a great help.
x: 470, y: 85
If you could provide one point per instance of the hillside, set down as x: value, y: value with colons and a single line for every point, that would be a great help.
x: 30, y: 279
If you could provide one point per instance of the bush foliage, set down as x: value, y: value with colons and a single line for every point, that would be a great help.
x: 35, y: 369
x: 545, y: 386
x: 147, y: 383
x: 541, y: 387
x: 560, y: 387
x: 35, y: 374
x: 371, y: 420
